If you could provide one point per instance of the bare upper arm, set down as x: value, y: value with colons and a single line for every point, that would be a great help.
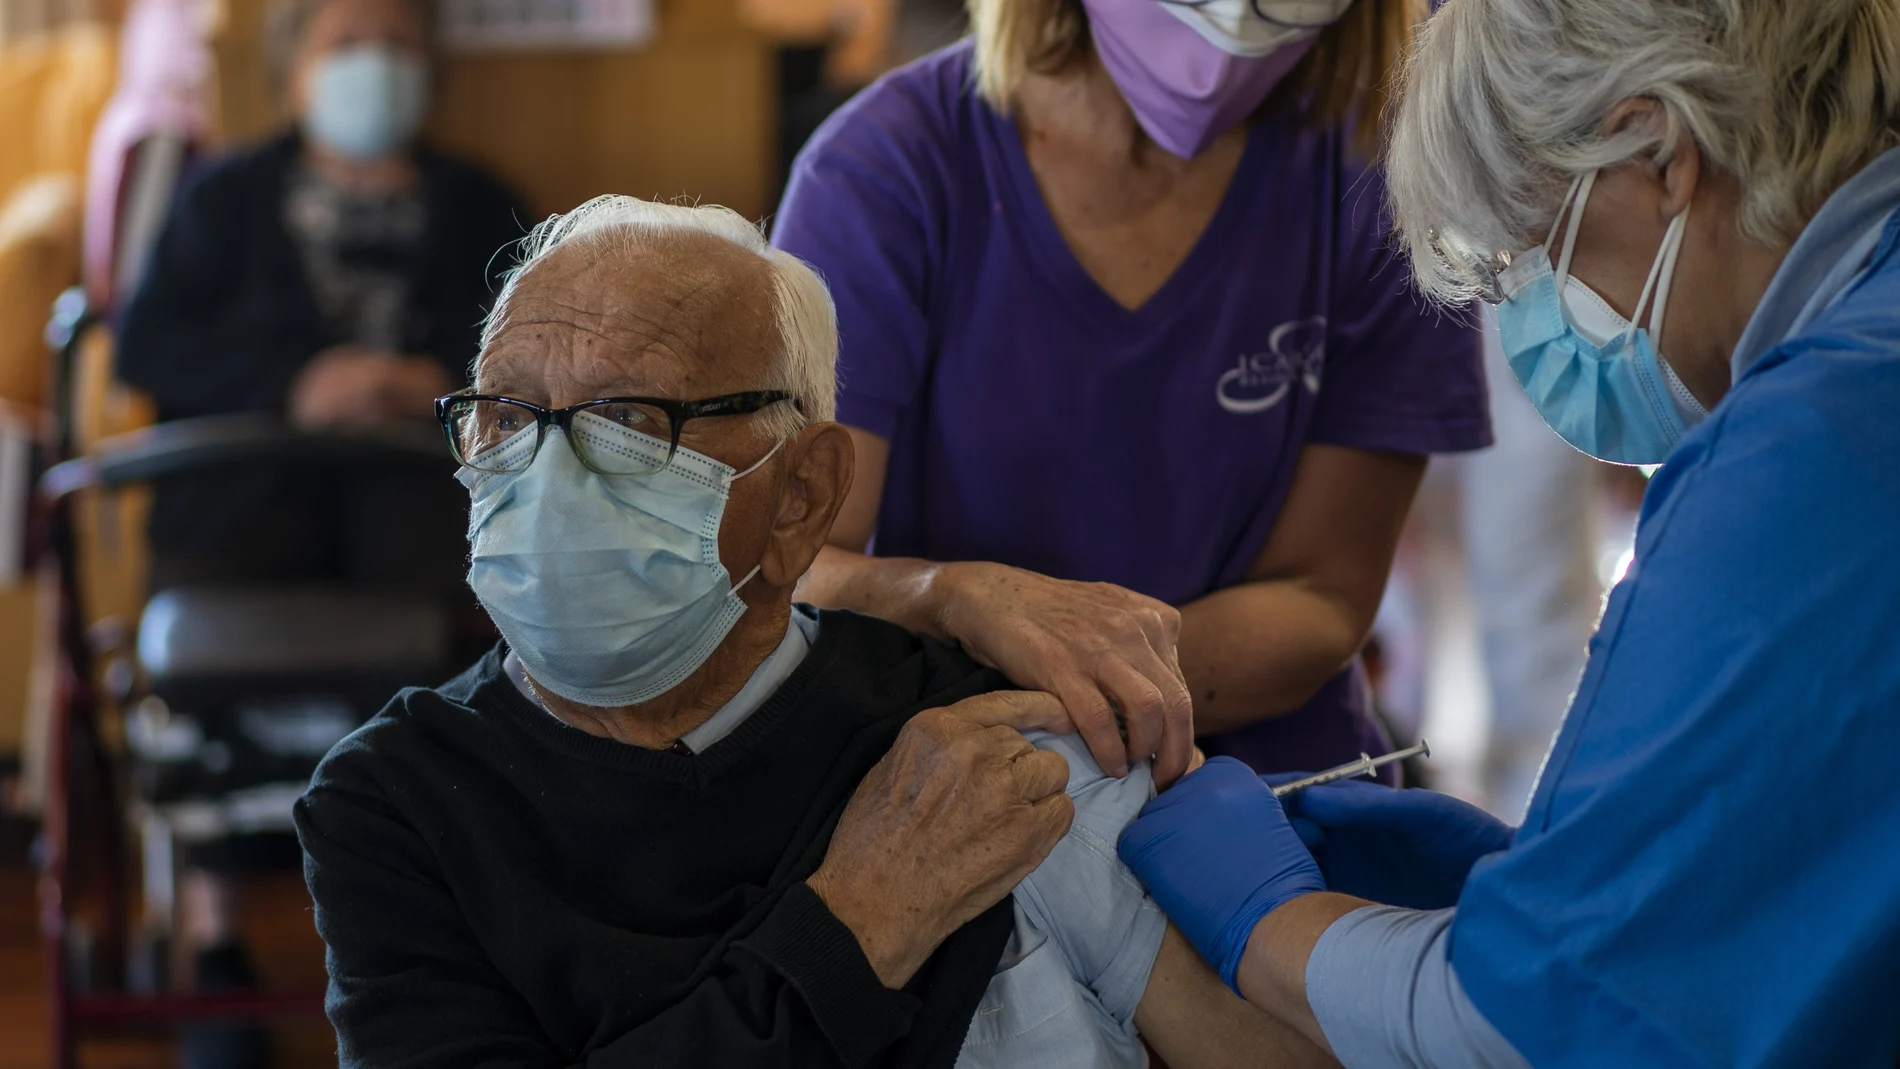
x: 857, y: 520
x: 1340, y: 524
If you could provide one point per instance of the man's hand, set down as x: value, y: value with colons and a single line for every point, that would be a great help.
x: 1106, y: 651
x: 946, y: 825
x: 349, y: 386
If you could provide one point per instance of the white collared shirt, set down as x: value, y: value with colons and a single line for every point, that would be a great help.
x: 765, y: 682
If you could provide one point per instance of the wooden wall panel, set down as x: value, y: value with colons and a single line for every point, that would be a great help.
x: 690, y: 115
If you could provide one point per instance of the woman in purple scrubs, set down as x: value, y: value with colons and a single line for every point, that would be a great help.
x: 1140, y: 393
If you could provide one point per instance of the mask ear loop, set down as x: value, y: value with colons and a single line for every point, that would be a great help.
x: 749, y: 576
x: 761, y: 461
x: 1661, y: 274
x: 1575, y: 200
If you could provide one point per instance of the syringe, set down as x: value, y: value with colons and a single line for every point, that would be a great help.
x: 1365, y: 766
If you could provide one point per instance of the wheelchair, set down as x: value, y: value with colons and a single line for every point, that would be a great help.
x: 134, y: 775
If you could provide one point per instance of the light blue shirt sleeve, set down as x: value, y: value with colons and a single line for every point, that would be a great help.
x: 1382, y: 986
x: 1085, y: 942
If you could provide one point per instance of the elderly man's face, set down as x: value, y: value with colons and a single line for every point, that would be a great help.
x: 688, y: 319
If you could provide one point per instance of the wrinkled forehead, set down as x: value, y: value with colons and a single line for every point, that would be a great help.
x: 684, y: 316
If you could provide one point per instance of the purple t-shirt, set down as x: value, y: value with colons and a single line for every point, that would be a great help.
x: 1035, y: 422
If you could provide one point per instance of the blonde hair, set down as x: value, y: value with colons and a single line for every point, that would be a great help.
x: 807, y: 364
x: 1504, y: 103
x: 1345, y: 80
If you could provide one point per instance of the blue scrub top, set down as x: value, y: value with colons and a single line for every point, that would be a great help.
x: 1709, y: 874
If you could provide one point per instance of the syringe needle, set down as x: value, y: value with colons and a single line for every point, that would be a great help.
x: 1365, y: 766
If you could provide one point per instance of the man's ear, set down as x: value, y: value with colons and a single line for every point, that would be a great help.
x: 817, y: 475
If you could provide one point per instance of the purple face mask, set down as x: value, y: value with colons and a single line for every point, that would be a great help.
x: 1185, y: 91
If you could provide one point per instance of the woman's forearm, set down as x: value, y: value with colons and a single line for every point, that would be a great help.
x: 1272, y: 972
x: 904, y: 590
x: 1108, y: 653
x: 1261, y: 649
x: 1249, y: 653
x: 1191, y: 1019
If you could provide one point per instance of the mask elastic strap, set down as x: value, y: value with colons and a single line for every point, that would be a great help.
x: 761, y: 461
x: 1673, y: 241
x: 755, y: 467
x: 748, y: 578
x: 1661, y: 274
x: 1575, y: 200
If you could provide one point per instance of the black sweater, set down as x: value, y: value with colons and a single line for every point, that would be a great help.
x: 497, y: 888
x: 225, y: 317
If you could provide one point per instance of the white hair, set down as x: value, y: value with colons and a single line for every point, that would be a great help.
x: 1504, y: 103
x: 807, y: 362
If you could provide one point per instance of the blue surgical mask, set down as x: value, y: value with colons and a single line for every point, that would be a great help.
x: 608, y: 587
x: 1594, y: 376
x: 367, y: 101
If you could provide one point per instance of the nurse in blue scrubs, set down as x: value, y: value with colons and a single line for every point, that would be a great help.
x: 1688, y: 213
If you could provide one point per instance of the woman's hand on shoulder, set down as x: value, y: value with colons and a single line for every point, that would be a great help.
x: 1107, y: 652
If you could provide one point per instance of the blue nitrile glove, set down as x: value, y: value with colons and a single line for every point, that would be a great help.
x: 1411, y: 848
x: 1217, y: 854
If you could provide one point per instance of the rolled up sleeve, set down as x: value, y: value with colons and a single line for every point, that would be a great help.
x: 1084, y: 897
x: 1086, y: 939
x: 1382, y: 987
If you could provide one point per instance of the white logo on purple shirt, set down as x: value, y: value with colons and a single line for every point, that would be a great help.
x: 1258, y: 381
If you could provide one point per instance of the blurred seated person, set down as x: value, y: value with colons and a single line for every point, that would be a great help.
x: 334, y: 275
x: 675, y: 820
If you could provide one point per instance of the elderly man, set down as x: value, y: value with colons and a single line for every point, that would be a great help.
x: 674, y: 820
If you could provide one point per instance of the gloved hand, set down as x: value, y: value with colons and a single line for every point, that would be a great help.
x: 1411, y: 848
x: 1217, y: 854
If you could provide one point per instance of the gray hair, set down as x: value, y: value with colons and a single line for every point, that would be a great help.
x: 807, y: 363
x: 1504, y: 103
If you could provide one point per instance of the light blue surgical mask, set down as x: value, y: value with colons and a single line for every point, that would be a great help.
x: 1594, y: 376
x: 608, y: 587
x: 367, y: 101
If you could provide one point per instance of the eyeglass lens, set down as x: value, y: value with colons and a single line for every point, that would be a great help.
x: 481, y: 427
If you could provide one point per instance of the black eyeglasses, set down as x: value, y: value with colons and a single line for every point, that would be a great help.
x: 485, y: 430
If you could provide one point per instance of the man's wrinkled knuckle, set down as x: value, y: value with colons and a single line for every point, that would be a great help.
x: 1051, y: 769
x: 998, y: 740
x: 1059, y: 814
x: 972, y: 753
x: 1015, y: 701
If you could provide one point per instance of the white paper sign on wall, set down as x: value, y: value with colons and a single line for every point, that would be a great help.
x: 545, y: 25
